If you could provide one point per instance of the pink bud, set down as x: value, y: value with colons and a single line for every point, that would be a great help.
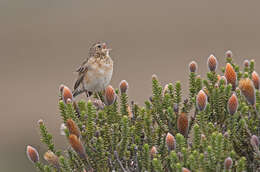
x: 201, y: 100
x: 228, y: 163
x: 183, y: 124
x: 170, y: 141
x: 66, y: 94
x: 231, y: 75
x: 248, y: 90
x: 256, y: 80
x: 212, y: 63
x: 232, y: 104
x: 193, y: 66
x: 110, y: 95
x: 254, y: 141
x: 229, y: 54
x: 123, y: 86
x: 32, y: 154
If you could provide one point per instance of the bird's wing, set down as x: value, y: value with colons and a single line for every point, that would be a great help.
x: 81, y: 71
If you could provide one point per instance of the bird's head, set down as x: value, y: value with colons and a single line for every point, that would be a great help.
x: 99, y: 50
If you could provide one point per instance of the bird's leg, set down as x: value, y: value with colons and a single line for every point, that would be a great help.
x: 85, y: 90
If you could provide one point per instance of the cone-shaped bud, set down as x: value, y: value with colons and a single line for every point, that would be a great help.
x: 229, y: 54
x: 219, y: 77
x: 69, y: 101
x: 185, y: 170
x: 256, y: 80
x: 223, y: 79
x: 77, y: 146
x: 32, y: 154
x: 183, y: 124
x: 170, y: 141
x: 154, y: 77
x: 246, y: 63
x: 228, y: 163
x: 66, y: 94
x: 40, y: 122
x: 153, y: 151
x: 176, y: 108
x: 98, y: 104
x: 231, y: 75
x: 248, y: 90
x: 165, y: 89
x: 254, y: 141
x: 62, y: 129
x: 232, y: 104
x: 212, y: 63
x: 52, y: 159
x: 123, y: 86
x: 202, y: 137
x: 201, y: 100
x: 110, y: 95
x: 193, y: 66
x: 226, y: 135
x: 73, y: 128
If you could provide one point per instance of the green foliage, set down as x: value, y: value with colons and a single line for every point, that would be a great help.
x: 121, y: 136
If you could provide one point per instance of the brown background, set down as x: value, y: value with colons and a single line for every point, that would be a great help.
x: 42, y: 42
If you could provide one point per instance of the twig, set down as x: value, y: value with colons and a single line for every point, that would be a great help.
x: 119, y: 162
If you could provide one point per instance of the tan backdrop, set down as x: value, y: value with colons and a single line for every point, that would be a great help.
x: 42, y: 42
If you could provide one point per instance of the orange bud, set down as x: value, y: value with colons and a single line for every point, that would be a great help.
x: 32, y: 154
x: 123, y: 86
x: 170, y: 141
x: 248, y: 90
x: 185, y: 170
x: 212, y: 63
x: 232, y: 104
x: 229, y: 54
x: 183, y: 124
x: 256, y: 80
x: 201, y: 100
x: 254, y: 141
x: 219, y: 77
x: 73, y: 128
x: 66, y: 94
x: 193, y: 66
x: 77, y: 146
x: 110, y: 95
x: 231, y: 75
x: 228, y: 163
x: 246, y: 63
x: 153, y: 151
x: 52, y: 159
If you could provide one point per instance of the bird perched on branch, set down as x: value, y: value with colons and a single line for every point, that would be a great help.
x: 95, y: 72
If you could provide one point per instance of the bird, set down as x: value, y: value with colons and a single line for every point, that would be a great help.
x: 96, y: 71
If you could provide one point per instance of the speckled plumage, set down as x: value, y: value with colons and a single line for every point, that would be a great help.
x: 95, y: 73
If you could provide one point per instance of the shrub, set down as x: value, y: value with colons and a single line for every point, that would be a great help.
x: 215, y: 129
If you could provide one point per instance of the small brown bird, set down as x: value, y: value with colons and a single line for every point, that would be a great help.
x: 96, y: 71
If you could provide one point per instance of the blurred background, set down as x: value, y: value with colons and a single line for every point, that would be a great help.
x: 42, y: 42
